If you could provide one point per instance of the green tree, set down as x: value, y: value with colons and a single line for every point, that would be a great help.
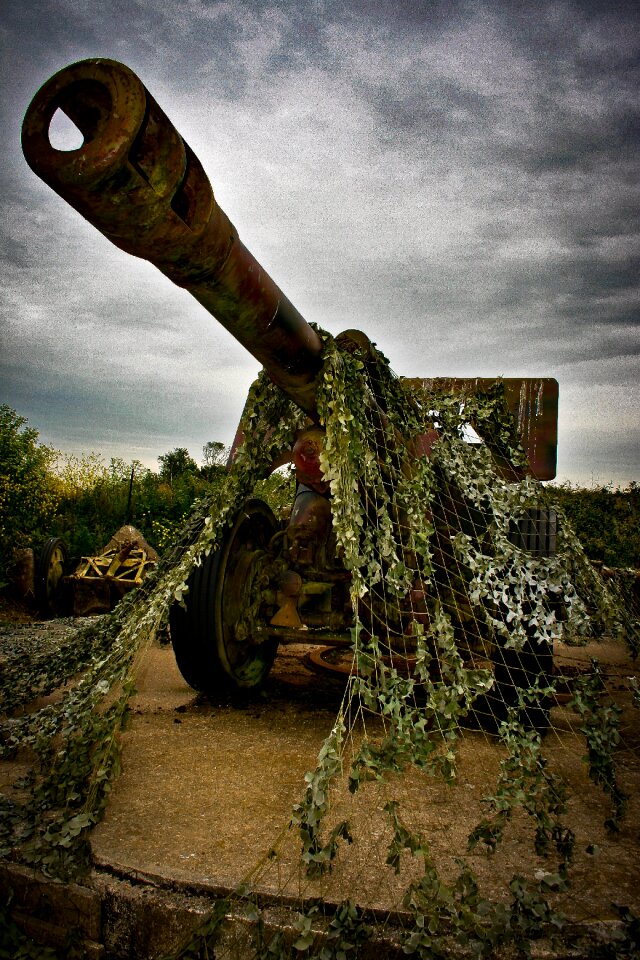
x: 606, y: 521
x: 214, y: 454
x: 94, y: 499
x: 214, y: 461
x: 176, y: 463
x: 28, y: 492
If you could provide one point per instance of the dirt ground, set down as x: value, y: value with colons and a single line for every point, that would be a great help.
x: 207, y: 790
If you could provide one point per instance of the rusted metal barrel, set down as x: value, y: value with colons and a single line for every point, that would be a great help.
x: 137, y: 181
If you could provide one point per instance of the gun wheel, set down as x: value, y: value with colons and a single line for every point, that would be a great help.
x: 50, y: 569
x: 215, y: 641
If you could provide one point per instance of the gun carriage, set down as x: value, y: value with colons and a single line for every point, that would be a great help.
x: 137, y: 181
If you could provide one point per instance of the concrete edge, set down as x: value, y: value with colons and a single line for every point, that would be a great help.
x: 121, y: 913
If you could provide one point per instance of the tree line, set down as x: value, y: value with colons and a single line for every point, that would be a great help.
x: 84, y: 500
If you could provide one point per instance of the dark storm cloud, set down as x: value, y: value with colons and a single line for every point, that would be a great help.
x: 574, y: 147
x: 13, y: 252
x: 458, y: 179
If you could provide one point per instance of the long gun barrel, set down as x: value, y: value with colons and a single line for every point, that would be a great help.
x: 137, y: 181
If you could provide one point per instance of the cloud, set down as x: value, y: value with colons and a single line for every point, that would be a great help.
x: 460, y: 180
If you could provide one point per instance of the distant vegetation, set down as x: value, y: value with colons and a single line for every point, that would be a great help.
x: 84, y: 500
x: 607, y: 521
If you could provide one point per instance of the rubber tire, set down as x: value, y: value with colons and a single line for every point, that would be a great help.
x: 48, y: 589
x: 197, y: 631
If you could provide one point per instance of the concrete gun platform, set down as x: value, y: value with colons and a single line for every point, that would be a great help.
x: 205, y: 799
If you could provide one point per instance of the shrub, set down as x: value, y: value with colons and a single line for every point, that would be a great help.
x: 606, y: 521
x: 29, y: 495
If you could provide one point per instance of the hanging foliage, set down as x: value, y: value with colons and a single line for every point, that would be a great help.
x: 430, y: 542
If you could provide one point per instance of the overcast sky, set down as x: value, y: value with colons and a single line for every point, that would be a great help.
x: 457, y: 179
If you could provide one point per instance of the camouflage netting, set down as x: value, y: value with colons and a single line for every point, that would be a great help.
x: 470, y: 596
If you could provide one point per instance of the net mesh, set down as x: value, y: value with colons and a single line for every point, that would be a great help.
x: 473, y: 787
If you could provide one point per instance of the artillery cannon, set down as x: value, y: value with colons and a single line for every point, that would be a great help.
x: 139, y: 183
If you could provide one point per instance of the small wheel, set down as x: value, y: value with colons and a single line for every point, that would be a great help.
x: 50, y: 568
x: 214, y: 638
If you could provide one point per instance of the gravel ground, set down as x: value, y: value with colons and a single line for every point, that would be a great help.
x: 39, y: 636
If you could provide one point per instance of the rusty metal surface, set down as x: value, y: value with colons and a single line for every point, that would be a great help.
x: 137, y: 181
x: 100, y: 582
x: 533, y: 403
x: 140, y: 184
x: 306, y: 454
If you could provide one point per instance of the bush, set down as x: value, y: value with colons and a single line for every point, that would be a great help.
x: 92, y: 503
x: 96, y: 499
x: 606, y: 521
x: 83, y: 500
x: 29, y: 497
